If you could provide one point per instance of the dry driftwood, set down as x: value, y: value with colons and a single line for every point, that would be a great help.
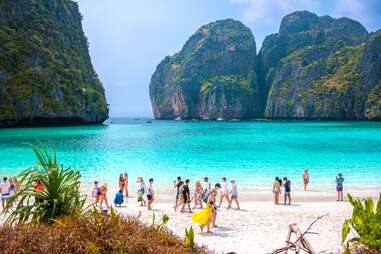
x: 301, y: 243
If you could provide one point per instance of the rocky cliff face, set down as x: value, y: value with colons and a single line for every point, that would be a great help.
x: 313, y: 68
x: 46, y: 76
x: 213, y: 76
x: 310, y: 68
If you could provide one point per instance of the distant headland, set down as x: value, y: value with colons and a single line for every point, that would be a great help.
x: 315, y: 67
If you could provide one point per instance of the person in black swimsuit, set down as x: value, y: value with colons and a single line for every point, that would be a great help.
x: 186, y: 197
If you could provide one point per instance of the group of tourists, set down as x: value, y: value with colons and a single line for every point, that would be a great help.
x: 284, y: 185
x: 205, y: 197
x: 8, y: 187
x: 201, y: 193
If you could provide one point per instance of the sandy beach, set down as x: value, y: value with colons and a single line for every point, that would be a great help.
x: 260, y: 226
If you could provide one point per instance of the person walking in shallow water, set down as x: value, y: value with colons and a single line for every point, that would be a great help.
x: 339, y: 186
x: 306, y: 178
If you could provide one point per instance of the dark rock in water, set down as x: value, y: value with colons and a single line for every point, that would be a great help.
x: 213, y: 76
x: 46, y: 76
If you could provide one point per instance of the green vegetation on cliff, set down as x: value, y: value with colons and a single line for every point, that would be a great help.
x: 46, y: 75
x: 315, y: 67
x: 213, y: 76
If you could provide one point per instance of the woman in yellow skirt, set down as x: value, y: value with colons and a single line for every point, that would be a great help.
x: 207, y: 215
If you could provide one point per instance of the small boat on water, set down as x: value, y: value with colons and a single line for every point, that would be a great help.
x: 149, y: 121
x: 220, y: 119
x: 178, y: 119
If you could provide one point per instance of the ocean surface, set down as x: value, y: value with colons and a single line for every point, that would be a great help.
x: 253, y: 153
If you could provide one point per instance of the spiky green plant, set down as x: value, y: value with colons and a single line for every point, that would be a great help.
x: 189, y: 238
x: 60, y: 197
x: 366, y: 222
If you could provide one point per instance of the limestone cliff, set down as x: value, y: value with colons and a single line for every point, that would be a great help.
x: 212, y: 77
x: 46, y: 76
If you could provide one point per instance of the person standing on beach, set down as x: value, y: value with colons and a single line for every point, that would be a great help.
x: 5, y: 191
x: 276, y: 190
x: 339, y: 186
x: 180, y: 198
x: 306, y: 178
x: 176, y: 185
x: 233, y: 194
x: 103, y: 196
x: 126, y: 183
x: 287, y: 191
x: 224, y: 191
x: 206, y: 188
x: 198, y: 195
x: 141, y: 191
x: 96, y: 193
x: 150, y: 193
x: 186, y: 197
x: 121, y: 182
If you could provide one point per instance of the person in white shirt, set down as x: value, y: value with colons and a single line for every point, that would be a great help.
x: 234, y: 194
x: 5, y: 192
x: 207, y: 186
x: 224, y: 191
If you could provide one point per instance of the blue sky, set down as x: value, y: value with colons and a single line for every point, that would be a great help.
x: 128, y: 38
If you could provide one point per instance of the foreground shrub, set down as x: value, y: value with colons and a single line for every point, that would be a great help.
x: 366, y: 222
x: 60, y: 195
x: 92, y: 232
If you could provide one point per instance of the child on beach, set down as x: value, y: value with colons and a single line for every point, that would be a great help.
x: 287, y: 190
x: 118, y: 201
x: 306, y: 178
x: 276, y: 190
x: 186, y: 197
x: 209, y: 214
x: 96, y: 192
x: 141, y: 191
x: 224, y: 191
x: 150, y: 193
x: 176, y: 185
x: 339, y: 186
x: 233, y: 194
x: 197, y: 195
x: 126, y: 183
x: 103, y: 196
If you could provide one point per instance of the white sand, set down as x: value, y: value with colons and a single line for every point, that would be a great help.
x: 259, y: 226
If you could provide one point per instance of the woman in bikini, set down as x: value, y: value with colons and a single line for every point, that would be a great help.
x: 126, y: 183
x: 103, y: 196
x: 121, y: 182
x: 197, y: 198
x: 276, y: 190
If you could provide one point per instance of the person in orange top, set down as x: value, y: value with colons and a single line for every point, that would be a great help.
x: 103, y: 196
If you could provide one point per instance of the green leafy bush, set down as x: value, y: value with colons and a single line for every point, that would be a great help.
x: 366, y: 222
x: 60, y: 197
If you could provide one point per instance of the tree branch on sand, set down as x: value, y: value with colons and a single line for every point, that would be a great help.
x: 301, y: 243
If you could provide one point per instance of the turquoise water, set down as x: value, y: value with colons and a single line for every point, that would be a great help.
x: 251, y: 152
